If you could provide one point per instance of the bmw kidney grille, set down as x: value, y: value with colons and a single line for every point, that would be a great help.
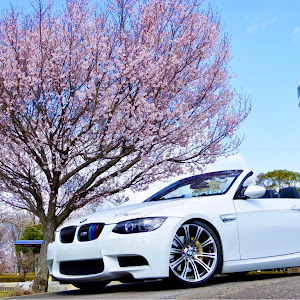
x: 89, y: 232
x: 67, y: 234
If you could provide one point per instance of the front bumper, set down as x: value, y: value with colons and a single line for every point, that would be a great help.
x: 115, y: 251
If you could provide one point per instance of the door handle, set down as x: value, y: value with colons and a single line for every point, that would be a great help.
x: 295, y: 207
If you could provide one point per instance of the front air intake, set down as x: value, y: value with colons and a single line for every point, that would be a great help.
x: 81, y: 267
x: 67, y: 234
x: 132, y: 261
x: 89, y: 232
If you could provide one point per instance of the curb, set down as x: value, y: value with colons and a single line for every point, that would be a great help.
x: 15, y: 286
x: 53, y: 286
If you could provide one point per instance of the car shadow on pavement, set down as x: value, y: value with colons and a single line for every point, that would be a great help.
x: 158, y: 285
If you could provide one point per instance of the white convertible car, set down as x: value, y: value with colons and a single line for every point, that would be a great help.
x: 187, y: 232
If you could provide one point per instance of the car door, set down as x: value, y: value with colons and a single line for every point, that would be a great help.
x: 268, y: 226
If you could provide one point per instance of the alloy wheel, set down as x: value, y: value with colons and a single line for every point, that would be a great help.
x: 195, y: 253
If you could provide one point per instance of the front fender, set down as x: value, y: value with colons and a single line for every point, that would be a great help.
x: 210, y: 211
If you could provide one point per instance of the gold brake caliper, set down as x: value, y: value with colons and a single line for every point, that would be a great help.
x: 199, y: 249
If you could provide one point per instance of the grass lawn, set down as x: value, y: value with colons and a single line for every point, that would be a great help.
x: 6, y: 294
x: 14, y: 294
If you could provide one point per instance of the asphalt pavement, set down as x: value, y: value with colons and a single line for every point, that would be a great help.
x: 262, y: 286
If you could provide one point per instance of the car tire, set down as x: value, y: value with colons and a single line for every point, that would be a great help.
x: 195, y: 255
x: 91, y: 286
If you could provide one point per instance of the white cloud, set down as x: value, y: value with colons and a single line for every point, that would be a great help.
x: 232, y: 162
x: 258, y: 24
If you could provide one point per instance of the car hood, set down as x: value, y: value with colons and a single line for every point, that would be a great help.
x: 141, y: 210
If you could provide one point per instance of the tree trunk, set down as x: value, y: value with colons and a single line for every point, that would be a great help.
x: 18, y: 262
x: 40, y: 283
x: 24, y: 274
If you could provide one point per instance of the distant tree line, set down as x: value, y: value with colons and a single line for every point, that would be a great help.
x: 278, y: 179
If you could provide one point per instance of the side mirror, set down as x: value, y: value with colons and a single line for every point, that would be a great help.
x: 254, y: 191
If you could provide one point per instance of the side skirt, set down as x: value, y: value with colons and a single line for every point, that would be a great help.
x: 274, y: 262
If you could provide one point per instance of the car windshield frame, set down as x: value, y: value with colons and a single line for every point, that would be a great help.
x: 197, y: 179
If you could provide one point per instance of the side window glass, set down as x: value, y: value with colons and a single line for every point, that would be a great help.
x: 249, y: 181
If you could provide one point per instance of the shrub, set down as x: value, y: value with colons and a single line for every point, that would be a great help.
x: 15, y: 278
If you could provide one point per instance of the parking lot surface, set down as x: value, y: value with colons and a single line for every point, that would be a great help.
x: 264, y: 286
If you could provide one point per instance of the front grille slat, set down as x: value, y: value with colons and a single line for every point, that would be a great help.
x: 67, y: 234
x: 81, y: 267
x: 89, y: 232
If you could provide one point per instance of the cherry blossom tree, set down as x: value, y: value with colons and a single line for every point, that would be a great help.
x: 12, y: 225
x: 95, y: 100
x: 7, y: 258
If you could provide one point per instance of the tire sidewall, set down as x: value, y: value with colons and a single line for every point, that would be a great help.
x: 173, y: 278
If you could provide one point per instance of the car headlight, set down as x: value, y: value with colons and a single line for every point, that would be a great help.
x: 139, y: 225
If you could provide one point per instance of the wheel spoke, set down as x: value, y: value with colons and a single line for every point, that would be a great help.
x: 208, y: 255
x: 179, y: 241
x: 177, y: 262
x: 176, y: 251
x: 185, y: 270
x: 187, y: 234
x: 197, y: 236
x: 207, y: 242
x: 207, y: 268
x: 195, y: 270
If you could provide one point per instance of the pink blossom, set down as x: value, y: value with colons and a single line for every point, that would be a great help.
x: 95, y: 101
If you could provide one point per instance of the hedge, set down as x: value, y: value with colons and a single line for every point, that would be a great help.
x: 15, y: 278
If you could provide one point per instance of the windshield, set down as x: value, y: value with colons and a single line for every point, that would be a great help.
x: 208, y: 184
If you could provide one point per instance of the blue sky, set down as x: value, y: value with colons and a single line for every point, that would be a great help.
x: 265, y: 40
